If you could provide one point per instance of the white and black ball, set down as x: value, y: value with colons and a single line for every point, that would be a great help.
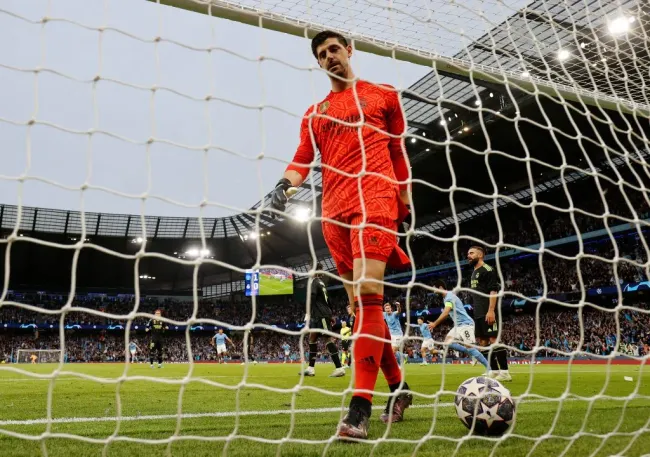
x: 485, y: 406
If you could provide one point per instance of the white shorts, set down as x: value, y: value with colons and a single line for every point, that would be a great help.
x: 132, y: 352
x: 464, y: 334
x: 221, y: 349
x: 395, y: 340
x: 286, y: 354
x: 427, y: 343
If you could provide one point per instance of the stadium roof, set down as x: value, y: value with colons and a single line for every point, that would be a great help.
x: 527, y: 154
x: 442, y: 107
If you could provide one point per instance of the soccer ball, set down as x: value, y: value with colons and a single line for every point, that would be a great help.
x: 484, y: 406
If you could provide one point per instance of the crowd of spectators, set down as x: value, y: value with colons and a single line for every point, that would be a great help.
x: 583, y: 332
x: 584, y: 266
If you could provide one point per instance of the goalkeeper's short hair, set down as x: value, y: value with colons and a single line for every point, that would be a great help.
x: 323, y: 36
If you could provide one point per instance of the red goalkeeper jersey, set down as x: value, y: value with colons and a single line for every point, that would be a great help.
x: 342, y: 146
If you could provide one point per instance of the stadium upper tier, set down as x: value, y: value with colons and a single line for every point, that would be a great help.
x: 589, y: 47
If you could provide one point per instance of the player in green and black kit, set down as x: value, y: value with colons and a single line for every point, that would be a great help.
x: 157, y: 329
x: 321, y: 318
x: 486, y: 281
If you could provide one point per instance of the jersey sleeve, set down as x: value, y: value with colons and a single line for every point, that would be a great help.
x: 493, y: 281
x: 396, y: 125
x: 305, y: 153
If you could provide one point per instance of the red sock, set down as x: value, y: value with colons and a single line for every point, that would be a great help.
x: 368, y: 352
x: 389, y: 365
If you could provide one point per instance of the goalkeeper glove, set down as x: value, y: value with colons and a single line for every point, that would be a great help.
x: 279, y: 196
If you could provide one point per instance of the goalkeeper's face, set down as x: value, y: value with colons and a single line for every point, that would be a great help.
x: 334, y: 57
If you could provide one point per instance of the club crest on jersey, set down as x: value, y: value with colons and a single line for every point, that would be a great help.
x: 323, y: 107
x: 363, y: 103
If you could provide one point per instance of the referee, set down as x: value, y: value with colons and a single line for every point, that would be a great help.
x: 485, y: 280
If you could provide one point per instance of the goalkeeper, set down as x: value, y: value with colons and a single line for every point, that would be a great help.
x: 358, y: 130
x: 157, y: 328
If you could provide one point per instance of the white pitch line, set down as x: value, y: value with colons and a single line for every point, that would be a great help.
x: 72, y: 420
x: 69, y: 420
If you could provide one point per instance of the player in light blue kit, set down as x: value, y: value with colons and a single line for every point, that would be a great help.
x: 133, y: 349
x: 461, y: 337
x: 287, y: 352
x: 219, y: 340
x: 427, y: 340
x: 395, y: 328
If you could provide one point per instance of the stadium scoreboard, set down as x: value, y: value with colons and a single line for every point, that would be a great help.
x: 268, y: 281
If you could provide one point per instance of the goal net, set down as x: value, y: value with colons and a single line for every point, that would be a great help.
x: 154, y: 126
x: 38, y: 355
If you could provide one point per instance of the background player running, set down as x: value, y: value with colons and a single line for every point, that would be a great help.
x: 395, y: 328
x: 287, y: 351
x: 461, y: 336
x: 219, y: 340
x: 427, y: 340
x: 133, y: 349
x: 321, y: 318
x: 157, y: 329
x: 485, y: 280
x: 377, y: 198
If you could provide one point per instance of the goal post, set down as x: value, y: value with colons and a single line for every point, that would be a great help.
x: 517, y: 76
x: 41, y: 355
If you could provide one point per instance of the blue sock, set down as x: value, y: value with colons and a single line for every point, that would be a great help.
x: 478, y: 356
x: 398, y: 356
x: 471, y: 351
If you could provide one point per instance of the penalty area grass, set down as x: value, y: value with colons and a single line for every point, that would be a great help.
x: 257, y: 410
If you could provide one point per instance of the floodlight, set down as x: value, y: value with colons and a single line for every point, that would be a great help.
x: 302, y: 213
x: 620, y: 25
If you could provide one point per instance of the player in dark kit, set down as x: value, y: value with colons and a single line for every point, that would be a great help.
x: 321, y: 319
x: 485, y: 280
x: 157, y: 329
x: 249, y: 348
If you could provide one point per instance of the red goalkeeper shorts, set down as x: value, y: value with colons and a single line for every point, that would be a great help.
x: 378, y: 243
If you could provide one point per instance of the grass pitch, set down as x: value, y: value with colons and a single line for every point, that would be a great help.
x: 274, y: 286
x: 600, y: 415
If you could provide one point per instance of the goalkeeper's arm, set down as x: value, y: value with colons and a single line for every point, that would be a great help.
x: 298, y: 169
x: 398, y: 155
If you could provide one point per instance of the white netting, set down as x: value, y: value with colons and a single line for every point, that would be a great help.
x: 38, y: 355
x: 527, y: 133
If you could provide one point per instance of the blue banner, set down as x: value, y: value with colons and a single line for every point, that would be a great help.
x: 625, y: 288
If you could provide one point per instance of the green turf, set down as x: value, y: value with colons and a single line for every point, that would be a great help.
x: 544, y: 428
x: 273, y: 286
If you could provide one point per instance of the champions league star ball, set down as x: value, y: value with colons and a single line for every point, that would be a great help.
x: 485, y: 406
